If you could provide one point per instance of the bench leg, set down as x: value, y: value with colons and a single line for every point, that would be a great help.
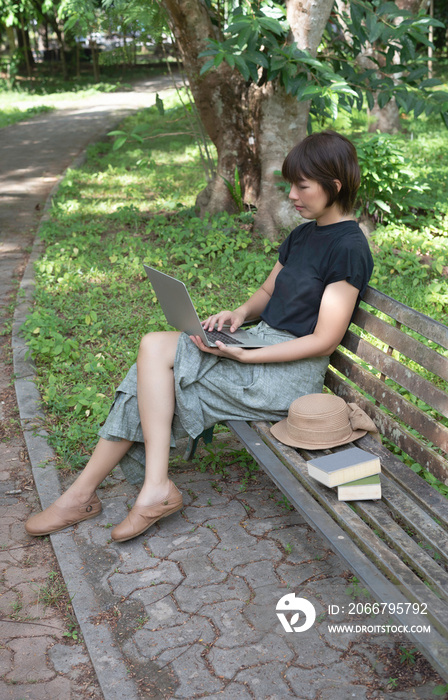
x: 206, y: 435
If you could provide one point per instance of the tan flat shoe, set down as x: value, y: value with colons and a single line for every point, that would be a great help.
x: 55, y: 518
x: 141, y: 518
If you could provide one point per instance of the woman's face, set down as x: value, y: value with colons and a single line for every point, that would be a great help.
x: 311, y: 201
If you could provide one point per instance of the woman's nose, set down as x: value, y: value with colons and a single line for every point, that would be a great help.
x: 293, y: 192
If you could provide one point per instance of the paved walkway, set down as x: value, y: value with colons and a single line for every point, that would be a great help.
x: 187, y: 610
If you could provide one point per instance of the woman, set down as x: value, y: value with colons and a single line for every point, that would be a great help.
x: 179, y: 386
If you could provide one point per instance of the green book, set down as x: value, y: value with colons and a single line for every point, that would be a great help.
x: 340, y: 467
x: 365, y: 489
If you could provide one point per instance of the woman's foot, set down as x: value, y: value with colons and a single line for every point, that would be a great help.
x: 59, y: 516
x: 141, y: 517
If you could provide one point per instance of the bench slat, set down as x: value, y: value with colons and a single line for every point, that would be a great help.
x: 413, y: 349
x: 428, y: 498
x: 425, y: 326
x: 411, y: 415
x: 408, y: 550
x: 413, y: 517
x: 393, y: 431
x: 417, y: 385
x: 433, y: 646
x: 382, y: 556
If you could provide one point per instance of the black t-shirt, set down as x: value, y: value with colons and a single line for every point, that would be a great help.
x: 312, y: 257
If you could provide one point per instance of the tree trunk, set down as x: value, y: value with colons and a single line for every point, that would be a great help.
x: 62, y: 49
x: 23, y: 40
x: 253, y: 127
x: 226, y: 106
x: 284, y: 121
x: 387, y: 118
x: 95, y: 62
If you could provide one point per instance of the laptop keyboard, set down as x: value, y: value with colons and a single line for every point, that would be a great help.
x: 217, y: 335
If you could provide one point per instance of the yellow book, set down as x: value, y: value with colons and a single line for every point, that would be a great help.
x: 367, y: 489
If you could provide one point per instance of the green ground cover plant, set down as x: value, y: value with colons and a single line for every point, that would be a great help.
x: 133, y: 205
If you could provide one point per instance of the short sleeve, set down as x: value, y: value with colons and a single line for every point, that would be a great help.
x: 351, y: 261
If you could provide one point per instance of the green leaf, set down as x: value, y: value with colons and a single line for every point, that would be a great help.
x: 390, y: 8
x: 374, y: 28
x: 118, y: 143
x: 383, y: 99
x: 207, y: 65
x: 382, y: 205
x: 242, y: 67
x: 230, y: 58
x: 257, y: 57
x: 419, y: 108
x: 278, y: 62
x: 271, y: 25
x: 430, y: 82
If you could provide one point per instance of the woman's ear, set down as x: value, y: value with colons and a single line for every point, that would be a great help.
x: 338, y: 184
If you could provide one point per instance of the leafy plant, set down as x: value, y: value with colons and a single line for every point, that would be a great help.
x: 256, y: 43
x: 53, y: 591
x: 355, y: 589
x: 407, y: 656
x: 284, y: 503
x: 235, y: 191
x: 389, y: 189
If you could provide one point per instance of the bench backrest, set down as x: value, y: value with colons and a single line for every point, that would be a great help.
x: 400, y: 381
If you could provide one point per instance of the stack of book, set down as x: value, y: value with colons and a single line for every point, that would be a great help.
x: 355, y: 473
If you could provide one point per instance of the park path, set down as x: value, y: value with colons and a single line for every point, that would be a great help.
x: 187, y: 610
x: 36, y: 660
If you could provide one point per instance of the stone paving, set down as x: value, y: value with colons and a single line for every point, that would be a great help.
x: 191, y: 604
x: 187, y: 610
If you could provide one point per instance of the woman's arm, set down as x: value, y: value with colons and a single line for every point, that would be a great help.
x: 251, y: 309
x: 336, y: 309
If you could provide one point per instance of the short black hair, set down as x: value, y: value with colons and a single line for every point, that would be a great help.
x: 326, y: 156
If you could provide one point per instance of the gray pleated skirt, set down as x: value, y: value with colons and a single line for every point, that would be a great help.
x: 212, y: 389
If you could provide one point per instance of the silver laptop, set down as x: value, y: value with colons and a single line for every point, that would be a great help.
x: 180, y: 313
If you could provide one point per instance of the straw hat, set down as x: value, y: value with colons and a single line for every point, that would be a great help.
x: 321, y: 421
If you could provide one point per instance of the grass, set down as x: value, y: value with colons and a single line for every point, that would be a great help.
x: 134, y: 205
x: 12, y: 115
x: 47, y: 90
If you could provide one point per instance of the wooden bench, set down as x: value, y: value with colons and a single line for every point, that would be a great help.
x: 397, y: 546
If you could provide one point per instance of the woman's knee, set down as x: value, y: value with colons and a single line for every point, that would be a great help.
x: 158, y: 345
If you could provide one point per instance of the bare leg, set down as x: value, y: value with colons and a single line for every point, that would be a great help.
x: 104, y: 459
x: 155, y: 388
x: 80, y: 501
x: 155, y: 391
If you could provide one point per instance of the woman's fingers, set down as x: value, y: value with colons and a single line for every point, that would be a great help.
x: 221, y: 319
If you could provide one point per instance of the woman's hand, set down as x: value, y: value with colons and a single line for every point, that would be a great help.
x: 231, y: 352
x: 234, y: 319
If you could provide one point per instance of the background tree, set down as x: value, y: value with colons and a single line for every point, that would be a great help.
x: 249, y: 115
x: 257, y: 80
x: 16, y: 16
